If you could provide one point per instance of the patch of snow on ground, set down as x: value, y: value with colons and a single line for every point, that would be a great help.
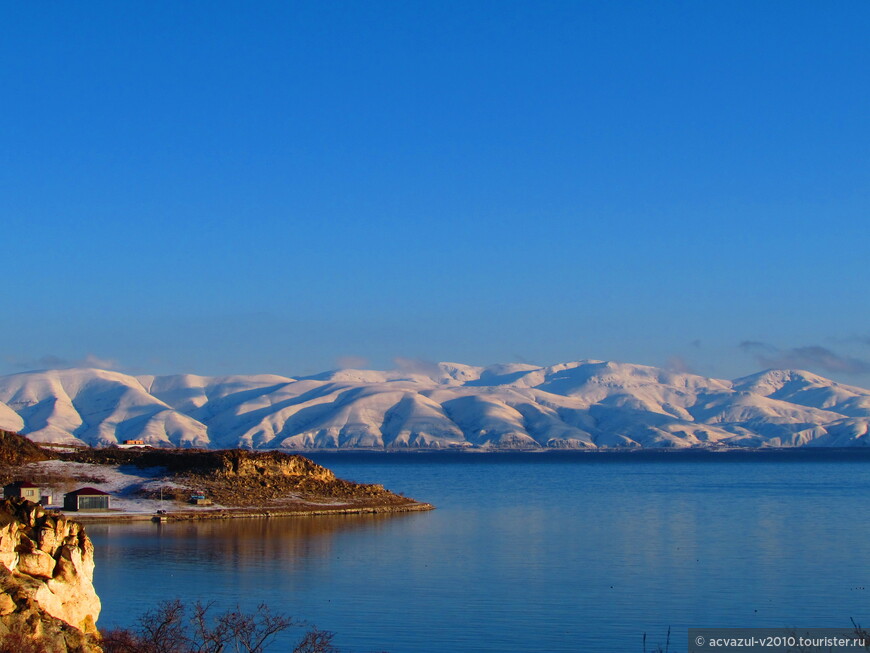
x: 122, y: 482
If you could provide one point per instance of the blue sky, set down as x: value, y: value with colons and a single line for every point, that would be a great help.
x: 218, y: 187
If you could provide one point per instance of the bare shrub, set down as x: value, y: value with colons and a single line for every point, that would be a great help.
x: 659, y: 649
x: 316, y: 641
x: 17, y: 643
x: 169, y: 629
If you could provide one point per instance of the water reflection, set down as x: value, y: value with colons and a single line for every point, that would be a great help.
x: 285, y: 542
x: 527, y: 557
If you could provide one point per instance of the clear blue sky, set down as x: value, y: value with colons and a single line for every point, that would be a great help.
x: 219, y: 187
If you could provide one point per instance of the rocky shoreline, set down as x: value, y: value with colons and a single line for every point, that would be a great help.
x: 47, y: 595
x: 254, y: 513
x: 141, y: 483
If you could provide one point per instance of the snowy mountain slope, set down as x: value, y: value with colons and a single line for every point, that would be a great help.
x: 575, y: 405
x: 95, y: 407
x: 10, y: 420
x: 807, y: 389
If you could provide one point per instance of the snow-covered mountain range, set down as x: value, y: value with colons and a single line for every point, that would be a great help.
x: 578, y: 405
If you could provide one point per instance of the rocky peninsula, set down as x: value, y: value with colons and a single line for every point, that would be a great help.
x: 181, y: 484
x: 47, y: 596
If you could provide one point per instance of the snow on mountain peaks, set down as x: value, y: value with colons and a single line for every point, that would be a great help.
x: 577, y: 405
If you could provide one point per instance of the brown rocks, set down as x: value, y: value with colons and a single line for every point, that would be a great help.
x: 46, y: 574
x: 236, y: 462
x: 7, y: 605
x: 36, y: 563
x: 17, y: 450
x: 223, y: 462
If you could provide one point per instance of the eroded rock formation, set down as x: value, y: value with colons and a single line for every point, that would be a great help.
x: 46, y: 579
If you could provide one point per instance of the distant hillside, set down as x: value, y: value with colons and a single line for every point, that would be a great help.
x: 577, y: 405
x: 234, y: 477
x: 17, y: 450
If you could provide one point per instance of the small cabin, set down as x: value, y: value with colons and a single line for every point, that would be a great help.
x: 200, y: 500
x: 86, y: 498
x: 23, y: 490
x: 133, y: 444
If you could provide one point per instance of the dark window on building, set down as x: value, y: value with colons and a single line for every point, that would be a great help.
x: 93, y: 503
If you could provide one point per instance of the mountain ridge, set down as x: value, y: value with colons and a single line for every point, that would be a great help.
x: 585, y: 404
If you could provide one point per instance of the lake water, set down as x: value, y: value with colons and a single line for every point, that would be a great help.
x: 531, y: 552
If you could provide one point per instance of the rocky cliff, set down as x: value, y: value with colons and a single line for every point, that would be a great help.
x: 46, y: 573
x: 223, y: 462
x: 236, y: 462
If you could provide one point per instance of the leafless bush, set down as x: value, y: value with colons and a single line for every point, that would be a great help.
x: 861, y: 633
x: 169, y: 629
x: 316, y: 641
x: 659, y: 649
x: 17, y: 643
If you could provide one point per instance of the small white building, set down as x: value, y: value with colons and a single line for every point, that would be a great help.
x: 23, y: 490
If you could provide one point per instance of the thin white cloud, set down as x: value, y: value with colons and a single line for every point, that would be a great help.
x: 352, y: 362
x: 417, y: 366
x: 814, y: 357
x: 52, y: 362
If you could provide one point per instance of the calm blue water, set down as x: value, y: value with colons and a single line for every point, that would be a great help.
x: 531, y: 552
